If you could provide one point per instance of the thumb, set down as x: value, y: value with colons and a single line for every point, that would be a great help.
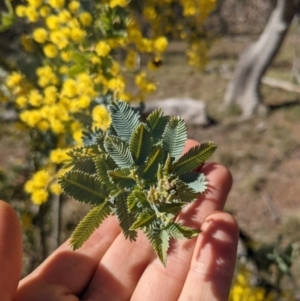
x: 10, y: 251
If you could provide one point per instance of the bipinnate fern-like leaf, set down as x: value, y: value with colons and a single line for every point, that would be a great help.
x: 125, y: 217
x: 85, y: 165
x: 174, y: 137
x: 124, y: 119
x: 150, y: 167
x: 136, y: 197
x: 179, y: 231
x: 157, y: 122
x: 199, y: 185
x: 103, y: 163
x: 89, y: 224
x: 195, y: 156
x: 140, y: 144
x: 119, y: 150
x: 159, y: 240
x: 83, y: 187
x: 137, y: 172
x: 121, y: 177
x: 144, y: 219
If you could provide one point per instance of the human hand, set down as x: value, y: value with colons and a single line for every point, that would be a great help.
x: 108, y: 267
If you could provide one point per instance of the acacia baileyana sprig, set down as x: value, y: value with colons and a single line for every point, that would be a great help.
x: 137, y: 172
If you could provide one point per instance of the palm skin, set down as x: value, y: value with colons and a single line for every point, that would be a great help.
x: 110, y: 268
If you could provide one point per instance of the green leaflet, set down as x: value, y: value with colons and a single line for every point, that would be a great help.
x: 86, y: 165
x: 179, y: 231
x: 124, y: 119
x: 83, y: 187
x: 89, y: 224
x: 103, y: 164
x: 185, y: 192
x: 144, y: 219
x: 150, y: 168
x: 174, y: 137
x: 118, y: 149
x: 137, y: 196
x: 199, y: 185
x: 157, y: 124
x: 121, y: 177
x: 194, y: 157
x: 189, y: 177
x: 140, y: 144
x: 159, y: 240
x: 100, y: 141
x: 171, y: 208
x: 125, y: 217
x: 168, y: 165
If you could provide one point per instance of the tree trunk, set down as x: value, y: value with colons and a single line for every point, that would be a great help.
x: 254, y: 61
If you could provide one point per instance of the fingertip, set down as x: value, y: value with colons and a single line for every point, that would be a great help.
x: 223, y: 222
x: 219, y: 238
x: 10, y: 251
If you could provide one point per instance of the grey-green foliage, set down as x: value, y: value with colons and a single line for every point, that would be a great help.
x: 135, y: 170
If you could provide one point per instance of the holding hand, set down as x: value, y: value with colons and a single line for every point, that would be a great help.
x: 108, y: 267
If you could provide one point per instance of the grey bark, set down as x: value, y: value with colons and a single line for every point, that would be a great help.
x: 254, y: 61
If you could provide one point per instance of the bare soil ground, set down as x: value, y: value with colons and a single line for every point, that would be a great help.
x: 263, y: 153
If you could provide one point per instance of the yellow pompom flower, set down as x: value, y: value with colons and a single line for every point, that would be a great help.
x: 21, y: 11
x: 132, y: 60
x: 114, y: 3
x: 69, y: 88
x: 65, y: 56
x: 95, y: 60
x: 46, y: 76
x: 35, y: 3
x: 50, y: 94
x: 58, y: 38
x: 150, y: 87
x: 74, y: 6
x: 45, y: 11
x: 57, y: 3
x: 102, y: 49
x: 86, y: 19
x: 57, y: 126
x: 150, y: 13
x: 31, y: 14
x: 39, y: 196
x: 21, y: 102
x: 29, y: 186
x: 52, y: 22
x: 41, y: 178
x: 55, y: 189
x: 50, y: 51
x: 40, y: 35
x: 116, y: 84
x: 77, y: 34
x: 101, y: 117
x: 73, y: 23
x: 14, y: 79
x: 31, y: 118
x: 35, y: 98
x: 43, y: 125
x: 160, y: 44
x: 58, y: 156
x: 64, y: 16
x: 84, y: 101
x: 77, y: 136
